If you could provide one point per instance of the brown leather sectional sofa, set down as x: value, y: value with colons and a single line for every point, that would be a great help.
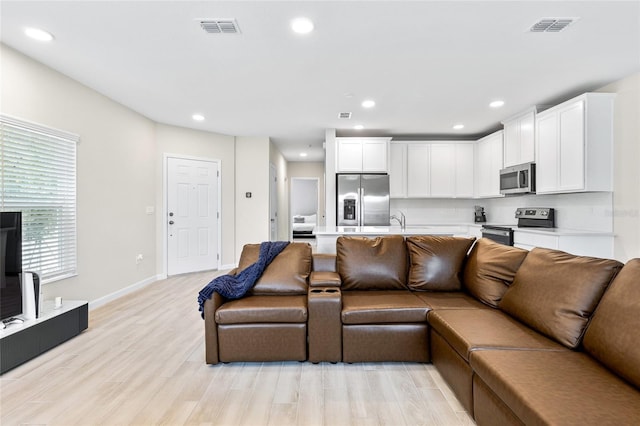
x: 540, y: 337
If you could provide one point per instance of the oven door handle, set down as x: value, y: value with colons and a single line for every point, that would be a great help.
x: 500, y: 232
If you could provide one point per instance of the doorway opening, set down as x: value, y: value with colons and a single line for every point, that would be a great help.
x: 304, y: 207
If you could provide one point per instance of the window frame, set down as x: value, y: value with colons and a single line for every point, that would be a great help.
x: 38, y: 176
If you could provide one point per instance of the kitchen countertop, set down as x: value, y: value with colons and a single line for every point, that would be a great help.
x: 447, y: 229
x: 391, y: 230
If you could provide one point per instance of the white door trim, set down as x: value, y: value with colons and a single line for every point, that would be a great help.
x: 165, y: 212
x: 273, y: 204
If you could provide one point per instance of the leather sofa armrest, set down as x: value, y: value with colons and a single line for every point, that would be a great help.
x: 211, y: 328
x: 324, y: 279
x: 324, y: 262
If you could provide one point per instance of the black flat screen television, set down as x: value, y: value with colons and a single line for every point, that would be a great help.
x: 10, y: 264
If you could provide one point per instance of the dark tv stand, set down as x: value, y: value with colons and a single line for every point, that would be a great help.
x: 21, y: 342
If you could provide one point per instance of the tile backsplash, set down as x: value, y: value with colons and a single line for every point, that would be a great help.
x: 583, y: 211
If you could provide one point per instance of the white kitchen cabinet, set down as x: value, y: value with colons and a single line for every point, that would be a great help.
x: 464, y: 164
x: 362, y: 155
x: 579, y: 243
x: 418, y: 173
x: 574, y: 145
x: 431, y: 169
x: 519, y: 140
x: 443, y: 170
x: 349, y: 156
x: 398, y: 170
x: 488, y: 162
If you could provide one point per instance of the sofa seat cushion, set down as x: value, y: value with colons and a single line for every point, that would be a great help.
x: 555, y: 292
x: 436, y: 262
x: 287, y: 274
x: 613, y: 336
x: 449, y: 300
x: 382, y: 307
x: 566, y: 387
x: 379, y: 263
x: 263, y: 309
x: 467, y: 330
x: 490, y: 270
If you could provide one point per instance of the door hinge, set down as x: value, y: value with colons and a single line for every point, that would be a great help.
x: 218, y: 215
x: 218, y: 173
x: 218, y: 256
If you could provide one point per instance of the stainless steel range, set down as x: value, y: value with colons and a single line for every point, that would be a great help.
x: 500, y: 234
x: 528, y: 217
x: 536, y: 217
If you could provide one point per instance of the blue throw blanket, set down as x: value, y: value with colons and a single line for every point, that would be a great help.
x: 236, y: 286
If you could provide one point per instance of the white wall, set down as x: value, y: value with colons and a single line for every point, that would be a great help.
x: 115, y: 174
x: 202, y: 145
x: 304, y: 196
x: 310, y: 170
x: 252, y: 175
x: 626, y: 173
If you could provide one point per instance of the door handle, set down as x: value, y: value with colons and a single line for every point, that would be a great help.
x: 170, y: 222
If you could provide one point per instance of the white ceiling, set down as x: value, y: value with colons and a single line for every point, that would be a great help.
x: 427, y: 64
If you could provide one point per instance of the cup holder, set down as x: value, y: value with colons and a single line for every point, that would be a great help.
x: 324, y: 290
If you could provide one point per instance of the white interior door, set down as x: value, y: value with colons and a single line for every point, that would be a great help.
x: 192, y: 215
x: 273, y: 203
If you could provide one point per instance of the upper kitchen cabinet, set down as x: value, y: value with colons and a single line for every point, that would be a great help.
x: 362, y: 155
x: 452, y: 170
x: 431, y: 169
x: 418, y: 170
x: 398, y: 170
x: 488, y: 158
x: 574, y: 145
x: 519, y: 140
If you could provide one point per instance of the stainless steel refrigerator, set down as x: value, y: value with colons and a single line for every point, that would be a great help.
x: 362, y: 199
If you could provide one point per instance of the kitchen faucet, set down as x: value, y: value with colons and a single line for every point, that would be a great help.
x: 402, y: 220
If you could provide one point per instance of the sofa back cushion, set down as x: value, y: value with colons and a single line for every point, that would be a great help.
x: 372, y: 263
x: 613, y: 336
x: 555, y: 292
x: 436, y: 262
x: 490, y: 270
x: 286, y: 274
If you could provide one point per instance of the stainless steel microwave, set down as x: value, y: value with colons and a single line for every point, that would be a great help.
x: 520, y: 179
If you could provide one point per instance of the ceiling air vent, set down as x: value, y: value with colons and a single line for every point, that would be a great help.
x: 345, y: 115
x: 551, y: 25
x: 220, y: 26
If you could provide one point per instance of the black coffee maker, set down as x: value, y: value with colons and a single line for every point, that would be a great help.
x: 479, y: 214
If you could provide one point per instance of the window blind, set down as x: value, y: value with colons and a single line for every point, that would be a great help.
x: 38, y: 178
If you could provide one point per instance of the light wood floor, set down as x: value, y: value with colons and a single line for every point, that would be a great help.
x: 141, y: 362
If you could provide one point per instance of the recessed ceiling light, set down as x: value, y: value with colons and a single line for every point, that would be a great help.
x: 368, y: 103
x: 302, y: 25
x: 358, y: 127
x: 38, y: 34
x: 198, y: 117
x: 496, y: 104
x: 458, y: 126
x: 303, y: 154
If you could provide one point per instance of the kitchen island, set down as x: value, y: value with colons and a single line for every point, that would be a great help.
x: 326, y: 236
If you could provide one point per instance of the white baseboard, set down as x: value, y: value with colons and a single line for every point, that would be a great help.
x: 123, y: 292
